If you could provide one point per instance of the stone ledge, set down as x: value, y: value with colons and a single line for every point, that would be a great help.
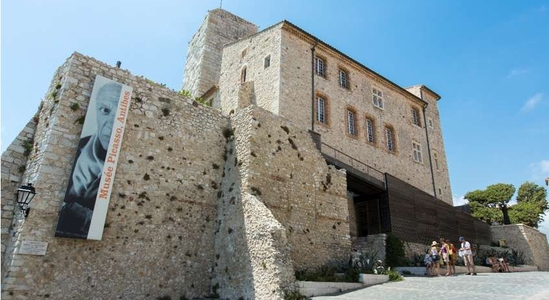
x: 462, y: 269
x: 315, y: 288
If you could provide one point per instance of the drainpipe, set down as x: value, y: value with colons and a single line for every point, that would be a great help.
x: 428, y: 146
x: 313, y: 86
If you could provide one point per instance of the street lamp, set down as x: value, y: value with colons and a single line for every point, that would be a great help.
x: 24, y: 197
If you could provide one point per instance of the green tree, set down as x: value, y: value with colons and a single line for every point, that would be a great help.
x: 531, y: 205
x: 484, y: 203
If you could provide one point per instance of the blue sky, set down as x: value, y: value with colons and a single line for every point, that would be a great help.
x: 489, y: 60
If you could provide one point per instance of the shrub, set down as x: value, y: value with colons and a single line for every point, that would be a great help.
x: 394, y: 276
x: 394, y: 249
x: 294, y: 295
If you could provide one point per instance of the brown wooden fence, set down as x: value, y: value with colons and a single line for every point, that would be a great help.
x: 421, y: 218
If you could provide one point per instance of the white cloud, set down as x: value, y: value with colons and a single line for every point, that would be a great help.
x: 517, y: 72
x: 540, y: 170
x: 459, y: 200
x: 532, y: 102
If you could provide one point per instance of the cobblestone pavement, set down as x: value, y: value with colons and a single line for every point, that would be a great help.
x: 484, y: 286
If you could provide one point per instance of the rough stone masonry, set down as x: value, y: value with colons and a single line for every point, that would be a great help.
x: 202, y: 204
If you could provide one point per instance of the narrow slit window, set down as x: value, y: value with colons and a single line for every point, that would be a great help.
x: 417, y: 152
x: 343, y: 79
x: 243, y: 74
x: 267, y: 61
x: 370, y: 136
x: 390, y: 136
x: 351, y: 125
x: 435, y: 158
x: 321, y: 110
x: 415, y: 117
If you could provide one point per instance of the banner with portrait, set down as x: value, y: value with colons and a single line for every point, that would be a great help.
x: 86, y: 201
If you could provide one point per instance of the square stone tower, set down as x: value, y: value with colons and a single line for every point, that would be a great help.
x: 205, y: 49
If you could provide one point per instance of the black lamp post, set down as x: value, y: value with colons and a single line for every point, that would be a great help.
x: 24, y: 197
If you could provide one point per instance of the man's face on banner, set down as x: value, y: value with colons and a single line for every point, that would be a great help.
x: 107, y: 102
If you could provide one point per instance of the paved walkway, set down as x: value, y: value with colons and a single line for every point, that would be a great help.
x: 484, y: 286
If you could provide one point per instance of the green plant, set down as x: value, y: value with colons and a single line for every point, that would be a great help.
x: 53, y: 94
x: 185, y: 93
x: 27, y: 145
x: 80, y: 120
x: 294, y: 295
x: 394, y: 249
x: 58, y: 86
x: 74, y: 106
x: 393, y: 275
x: 365, y: 262
x: 515, y: 257
x: 202, y: 101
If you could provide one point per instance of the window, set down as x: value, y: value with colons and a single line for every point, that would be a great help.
x: 430, y: 122
x: 243, y: 75
x: 351, y: 125
x: 370, y: 135
x: 267, y: 61
x: 390, y: 136
x: 415, y: 116
x: 320, y: 66
x: 343, y: 79
x: 439, y: 191
x: 417, y: 152
x: 435, y: 158
x: 321, y: 110
x: 378, y: 98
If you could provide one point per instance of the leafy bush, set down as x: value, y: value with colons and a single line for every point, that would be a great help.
x: 394, y: 276
x: 515, y: 258
x: 394, y: 249
x: 294, y: 295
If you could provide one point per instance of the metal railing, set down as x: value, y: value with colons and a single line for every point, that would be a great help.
x: 342, y: 158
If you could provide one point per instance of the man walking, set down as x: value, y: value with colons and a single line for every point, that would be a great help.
x: 467, y: 255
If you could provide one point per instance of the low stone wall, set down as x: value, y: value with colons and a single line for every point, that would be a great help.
x: 371, y: 244
x: 532, y: 243
x: 314, y: 288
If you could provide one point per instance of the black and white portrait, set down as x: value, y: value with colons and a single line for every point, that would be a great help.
x: 84, y: 182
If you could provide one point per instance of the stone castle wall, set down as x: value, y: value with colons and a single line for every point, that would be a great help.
x: 290, y: 96
x: 295, y: 99
x: 202, y: 205
x: 251, y: 53
x: 158, y: 234
x: 205, y: 49
x: 290, y: 177
x: 532, y: 243
x: 438, y: 153
x: 14, y: 161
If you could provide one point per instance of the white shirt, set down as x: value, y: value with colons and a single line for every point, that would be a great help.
x: 467, y: 247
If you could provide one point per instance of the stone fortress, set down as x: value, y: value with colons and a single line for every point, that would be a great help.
x: 303, y: 154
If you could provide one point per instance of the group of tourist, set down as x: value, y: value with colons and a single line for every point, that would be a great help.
x: 444, y: 253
